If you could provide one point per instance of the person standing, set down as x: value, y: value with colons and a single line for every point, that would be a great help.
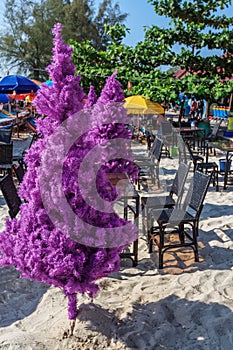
x: 200, y: 108
x: 193, y: 108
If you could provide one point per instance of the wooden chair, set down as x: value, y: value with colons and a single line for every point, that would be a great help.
x: 10, y: 194
x: 182, y: 221
x: 167, y: 201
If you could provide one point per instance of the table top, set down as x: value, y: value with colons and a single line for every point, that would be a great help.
x: 124, y: 185
x: 189, y: 129
x: 224, y: 145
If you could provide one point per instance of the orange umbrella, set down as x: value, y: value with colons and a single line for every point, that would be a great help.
x: 37, y: 82
x: 22, y: 97
x: 30, y: 96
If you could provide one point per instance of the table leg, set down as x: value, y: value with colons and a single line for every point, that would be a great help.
x: 226, y: 172
x: 135, y: 244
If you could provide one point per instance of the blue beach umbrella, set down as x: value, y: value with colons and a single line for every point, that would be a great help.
x: 48, y: 82
x: 18, y: 84
x: 4, y: 98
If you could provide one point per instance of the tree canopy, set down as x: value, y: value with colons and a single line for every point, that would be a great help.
x: 198, y: 40
x: 26, y: 39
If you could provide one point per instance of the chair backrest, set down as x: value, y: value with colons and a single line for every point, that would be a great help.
x: 28, y: 142
x: 6, y: 153
x: 189, y: 154
x: 184, y: 155
x: 19, y: 172
x: 153, y: 145
x: 215, y: 130
x: 20, y: 147
x: 10, y: 194
x: 197, y: 192
x: 178, y: 183
x: 188, y: 149
x: 166, y: 128
x: 5, y: 135
x: 157, y: 149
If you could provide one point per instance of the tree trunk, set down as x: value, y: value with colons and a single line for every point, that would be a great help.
x: 231, y: 102
x: 72, y: 306
x: 207, y: 109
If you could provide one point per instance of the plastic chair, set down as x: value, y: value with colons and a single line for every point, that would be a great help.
x: 181, y: 220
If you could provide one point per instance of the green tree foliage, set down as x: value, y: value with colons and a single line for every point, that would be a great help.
x: 26, y: 38
x: 195, y: 30
x: 108, y: 15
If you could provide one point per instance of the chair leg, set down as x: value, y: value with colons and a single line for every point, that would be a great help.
x: 217, y: 187
x: 195, y: 246
x: 160, y: 259
x: 181, y: 234
x: 149, y: 238
x: 161, y: 245
x: 144, y: 218
x: 157, y: 175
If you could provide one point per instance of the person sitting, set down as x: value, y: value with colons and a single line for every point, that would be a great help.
x: 205, y: 125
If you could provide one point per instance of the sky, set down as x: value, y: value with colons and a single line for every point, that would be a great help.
x: 140, y: 14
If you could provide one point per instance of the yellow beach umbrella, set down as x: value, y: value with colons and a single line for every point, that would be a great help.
x: 140, y: 105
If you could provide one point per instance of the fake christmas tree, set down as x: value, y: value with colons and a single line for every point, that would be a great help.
x: 68, y: 248
x: 91, y: 98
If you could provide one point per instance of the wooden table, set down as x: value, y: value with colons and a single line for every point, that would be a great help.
x: 226, y: 146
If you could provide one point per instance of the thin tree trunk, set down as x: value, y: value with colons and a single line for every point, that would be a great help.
x: 230, y: 102
x: 207, y: 109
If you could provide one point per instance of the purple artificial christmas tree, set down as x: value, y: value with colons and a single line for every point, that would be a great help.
x: 91, y: 98
x: 68, y: 243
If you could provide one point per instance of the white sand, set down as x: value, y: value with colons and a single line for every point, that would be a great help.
x: 185, y: 306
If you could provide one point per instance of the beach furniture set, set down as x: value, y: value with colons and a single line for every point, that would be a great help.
x: 174, y: 213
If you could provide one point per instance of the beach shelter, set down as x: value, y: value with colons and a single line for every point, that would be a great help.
x: 37, y: 82
x: 23, y: 97
x: 48, y: 82
x: 17, y: 84
x: 4, y: 98
x: 140, y: 105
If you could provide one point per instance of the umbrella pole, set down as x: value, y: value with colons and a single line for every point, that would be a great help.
x: 17, y: 123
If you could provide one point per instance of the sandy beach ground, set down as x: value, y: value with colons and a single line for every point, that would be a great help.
x: 185, y: 306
